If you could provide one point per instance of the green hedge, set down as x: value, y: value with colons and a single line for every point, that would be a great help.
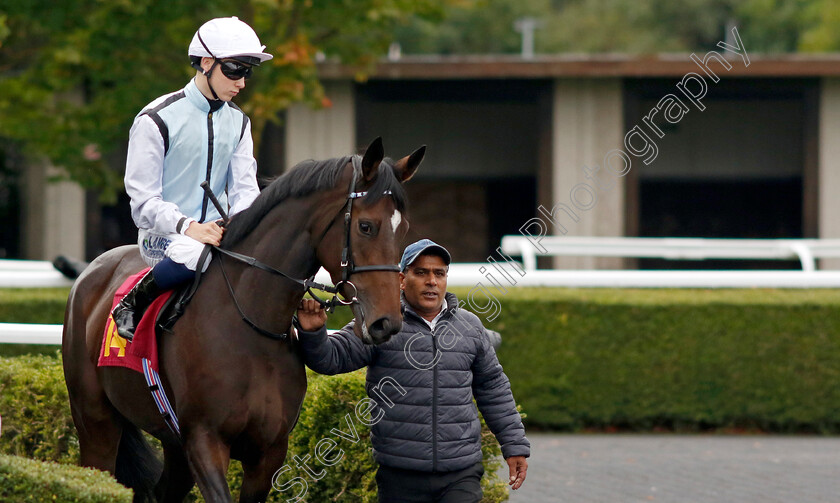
x: 37, y: 424
x: 683, y: 360
x: 654, y: 358
x: 330, y: 403
x: 24, y: 480
x: 31, y: 305
x: 36, y: 409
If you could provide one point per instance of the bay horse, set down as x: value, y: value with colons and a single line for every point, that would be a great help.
x: 238, y: 394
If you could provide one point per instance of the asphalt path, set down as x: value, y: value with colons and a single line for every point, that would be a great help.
x: 619, y: 468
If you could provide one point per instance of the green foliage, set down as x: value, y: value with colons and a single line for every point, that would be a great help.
x: 37, y: 424
x: 823, y: 27
x: 471, y: 26
x: 684, y: 360
x: 675, y: 359
x: 29, y: 481
x: 643, y: 359
x: 330, y: 405
x: 36, y: 410
x: 75, y: 73
x: 31, y: 305
x: 628, y: 26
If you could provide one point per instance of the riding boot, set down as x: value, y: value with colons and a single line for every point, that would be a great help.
x: 130, y: 310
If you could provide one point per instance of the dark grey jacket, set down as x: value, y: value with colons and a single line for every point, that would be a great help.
x: 423, y: 384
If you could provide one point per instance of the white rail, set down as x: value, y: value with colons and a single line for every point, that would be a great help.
x: 804, y: 250
x: 20, y: 333
x: 31, y: 274
x: 470, y: 275
x: 483, y: 276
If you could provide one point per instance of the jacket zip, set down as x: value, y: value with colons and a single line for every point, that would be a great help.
x: 434, y: 405
x: 210, y: 139
x: 434, y: 383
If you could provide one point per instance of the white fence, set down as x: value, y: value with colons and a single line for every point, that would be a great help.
x: 20, y: 333
x: 804, y: 250
x: 32, y: 274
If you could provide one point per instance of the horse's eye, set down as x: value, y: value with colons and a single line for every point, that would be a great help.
x: 365, y: 227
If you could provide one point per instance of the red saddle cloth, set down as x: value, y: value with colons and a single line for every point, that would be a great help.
x: 118, y: 352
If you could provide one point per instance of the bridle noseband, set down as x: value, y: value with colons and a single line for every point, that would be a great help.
x: 348, y: 267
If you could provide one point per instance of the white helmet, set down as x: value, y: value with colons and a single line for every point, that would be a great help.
x: 228, y: 37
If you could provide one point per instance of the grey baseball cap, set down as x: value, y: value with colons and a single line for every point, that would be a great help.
x: 414, y: 250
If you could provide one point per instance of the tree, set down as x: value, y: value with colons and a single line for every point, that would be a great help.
x: 74, y: 73
x: 823, y: 27
x: 628, y: 26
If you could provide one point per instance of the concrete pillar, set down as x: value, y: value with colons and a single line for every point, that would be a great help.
x: 53, y: 215
x: 828, y: 172
x: 587, y: 124
x: 325, y: 133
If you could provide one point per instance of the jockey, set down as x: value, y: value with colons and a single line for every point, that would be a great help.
x: 178, y: 141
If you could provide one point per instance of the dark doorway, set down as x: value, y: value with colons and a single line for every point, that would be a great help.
x: 11, y: 169
x: 479, y: 177
x: 734, y: 170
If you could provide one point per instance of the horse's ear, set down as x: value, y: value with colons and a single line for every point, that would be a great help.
x: 405, y: 168
x: 373, y: 156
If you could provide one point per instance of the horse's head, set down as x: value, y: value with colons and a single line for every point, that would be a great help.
x: 371, y: 240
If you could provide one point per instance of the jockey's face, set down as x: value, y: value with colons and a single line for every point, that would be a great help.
x: 226, y: 88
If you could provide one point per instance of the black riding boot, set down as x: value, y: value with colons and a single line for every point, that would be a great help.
x: 130, y: 310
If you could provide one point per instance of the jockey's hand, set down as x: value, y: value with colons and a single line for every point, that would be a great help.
x: 208, y: 233
x: 311, y: 315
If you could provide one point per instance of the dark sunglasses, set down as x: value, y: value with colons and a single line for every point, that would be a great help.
x: 235, y: 70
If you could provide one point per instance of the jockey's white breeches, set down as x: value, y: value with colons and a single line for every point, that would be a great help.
x: 154, y: 247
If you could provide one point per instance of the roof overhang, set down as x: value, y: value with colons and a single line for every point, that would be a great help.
x: 586, y: 66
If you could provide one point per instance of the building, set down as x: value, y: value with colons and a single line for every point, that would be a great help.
x: 724, y: 144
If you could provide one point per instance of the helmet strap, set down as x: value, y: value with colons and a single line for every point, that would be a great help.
x: 209, y: 72
x: 207, y: 75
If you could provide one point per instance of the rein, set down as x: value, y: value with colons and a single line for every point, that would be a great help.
x: 348, y: 267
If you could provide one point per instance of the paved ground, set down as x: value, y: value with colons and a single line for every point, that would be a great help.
x: 681, y: 469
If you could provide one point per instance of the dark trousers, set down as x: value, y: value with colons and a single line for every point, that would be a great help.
x: 409, y: 486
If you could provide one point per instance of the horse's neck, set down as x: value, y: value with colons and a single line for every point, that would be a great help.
x: 281, y: 240
x: 284, y: 240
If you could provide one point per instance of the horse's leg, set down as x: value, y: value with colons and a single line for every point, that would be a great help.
x: 209, y: 458
x: 257, y: 482
x: 95, y: 419
x: 99, y: 438
x: 176, y: 481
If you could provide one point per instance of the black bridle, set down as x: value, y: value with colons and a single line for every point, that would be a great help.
x: 348, y: 267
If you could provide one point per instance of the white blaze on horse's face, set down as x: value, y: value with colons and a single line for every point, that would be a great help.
x: 396, y: 218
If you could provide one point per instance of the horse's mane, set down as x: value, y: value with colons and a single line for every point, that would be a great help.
x: 303, y: 179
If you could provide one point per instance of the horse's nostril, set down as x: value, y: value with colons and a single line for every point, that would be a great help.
x: 382, y: 329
